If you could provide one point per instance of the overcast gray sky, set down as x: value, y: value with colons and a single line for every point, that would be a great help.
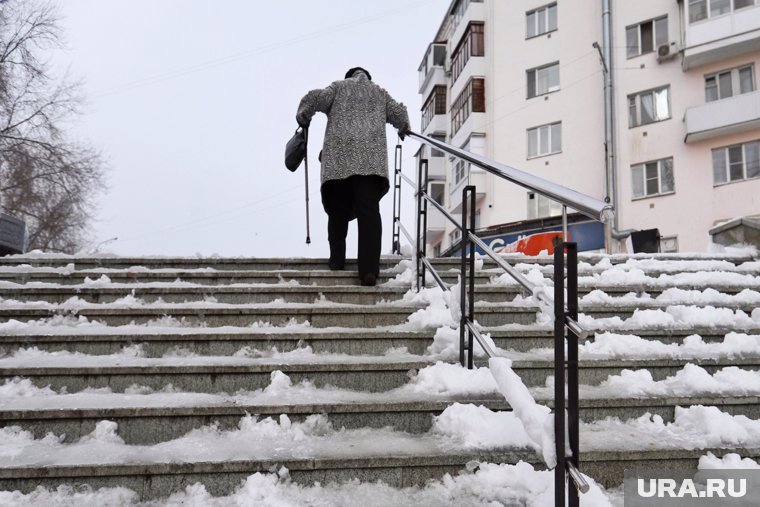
x: 192, y: 101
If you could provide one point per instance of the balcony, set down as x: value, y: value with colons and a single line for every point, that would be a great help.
x: 431, y: 71
x: 724, y: 36
x: 434, y: 111
x: 722, y: 117
x: 477, y: 178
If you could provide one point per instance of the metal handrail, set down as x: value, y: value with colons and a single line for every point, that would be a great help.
x: 589, y: 206
x: 565, y: 313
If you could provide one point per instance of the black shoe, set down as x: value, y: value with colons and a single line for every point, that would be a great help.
x: 369, y: 280
x: 336, y: 266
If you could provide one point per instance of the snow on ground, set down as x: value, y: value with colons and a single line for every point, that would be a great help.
x: 459, y: 426
x: 438, y: 381
x: 486, y: 486
x: 604, y: 346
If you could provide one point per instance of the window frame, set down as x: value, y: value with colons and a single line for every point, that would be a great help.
x: 470, y: 100
x: 727, y: 162
x: 537, y: 202
x: 659, y: 164
x: 459, y: 172
x: 534, y: 71
x: 638, y: 120
x: 434, y: 105
x: 471, y: 44
x: 542, y: 11
x: 455, y: 236
x: 707, y: 9
x: 539, y: 138
x: 435, y: 152
x: 735, y: 81
x: 655, y: 36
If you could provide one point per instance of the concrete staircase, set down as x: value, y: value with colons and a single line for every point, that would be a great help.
x: 213, y: 308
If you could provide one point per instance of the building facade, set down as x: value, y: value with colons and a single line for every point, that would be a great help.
x: 652, y: 104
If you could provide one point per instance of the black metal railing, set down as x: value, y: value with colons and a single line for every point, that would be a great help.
x: 565, y: 315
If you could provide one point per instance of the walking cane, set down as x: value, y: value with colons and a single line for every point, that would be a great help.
x: 306, y: 179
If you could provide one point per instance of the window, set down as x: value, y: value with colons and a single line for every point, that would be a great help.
x: 435, y: 104
x: 541, y: 207
x: 728, y: 83
x: 668, y: 244
x: 455, y: 236
x: 472, y: 44
x: 435, y: 57
x: 543, y: 80
x: 646, y: 37
x: 436, y: 192
x: 649, y: 106
x: 459, y: 170
x: 472, y: 99
x: 736, y: 163
x: 437, y: 250
x: 703, y: 9
x: 545, y: 140
x: 653, y: 178
x: 435, y: 152
x: 541, y: 20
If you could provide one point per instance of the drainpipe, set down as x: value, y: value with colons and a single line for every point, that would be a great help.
x: 612, y: 230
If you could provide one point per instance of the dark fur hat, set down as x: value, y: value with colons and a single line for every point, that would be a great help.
x: 356, y: 69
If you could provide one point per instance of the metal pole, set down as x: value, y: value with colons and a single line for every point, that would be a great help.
x: 306, y: 179
x: 463, y: 279
x: 559, y: 372
x: 471, y: 310
x: 417, y: 249
x: 564, y: 223
x: 396, y: 240
x: 572, y: 367
x: 424, y: 219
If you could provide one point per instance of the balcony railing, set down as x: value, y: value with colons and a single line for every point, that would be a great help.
x: 722, y: 117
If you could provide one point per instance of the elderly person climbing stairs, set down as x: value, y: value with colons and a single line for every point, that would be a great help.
x: 354, y: 162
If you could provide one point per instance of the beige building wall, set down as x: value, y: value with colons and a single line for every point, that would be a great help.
x: 689, y: 135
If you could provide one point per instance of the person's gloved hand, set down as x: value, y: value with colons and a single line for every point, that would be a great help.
x: 303, y: 122
x: 403, y: 131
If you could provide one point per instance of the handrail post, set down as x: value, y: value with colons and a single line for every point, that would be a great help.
x: 396, y: 240
x: 463, y: 280
x: 572, y: 368
x: 470, y: 189
x: 559, y: 372
x: 418, y: 247
x: 424, y: 217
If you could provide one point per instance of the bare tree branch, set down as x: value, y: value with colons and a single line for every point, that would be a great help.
x: 45, y: 178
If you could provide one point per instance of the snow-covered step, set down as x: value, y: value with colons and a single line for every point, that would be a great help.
x: 364, y: 373
x: 632, y: 273
x: 159, y: 417
x: 155, y: 418
x: 327, y: 314
x: 409, y: 462
x: 65, y: 276
x: 399, y: 462
x: 105, y: 291
x: 248, y: 263
x: 187, y: 263
x: 70, y: 334
x: 323, y: 314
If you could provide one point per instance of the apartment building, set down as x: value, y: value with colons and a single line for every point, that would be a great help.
x: 651, y: 104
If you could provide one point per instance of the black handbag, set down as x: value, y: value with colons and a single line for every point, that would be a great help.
x: 295, y: 149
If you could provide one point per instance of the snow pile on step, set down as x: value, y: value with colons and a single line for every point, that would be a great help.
x: 489, y: 485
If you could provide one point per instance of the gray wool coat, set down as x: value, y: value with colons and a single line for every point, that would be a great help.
x: 357, y: 110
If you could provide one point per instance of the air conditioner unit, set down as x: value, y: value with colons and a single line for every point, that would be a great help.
x: 667, y: 51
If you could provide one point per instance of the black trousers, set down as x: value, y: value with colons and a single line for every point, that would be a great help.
x: 355, y: 197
